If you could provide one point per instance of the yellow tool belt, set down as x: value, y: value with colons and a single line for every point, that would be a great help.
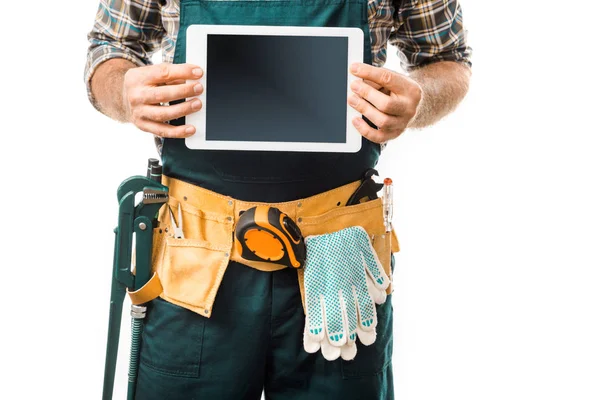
x: 188, y: 272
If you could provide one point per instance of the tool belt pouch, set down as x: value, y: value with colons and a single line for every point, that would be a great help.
x: 368, y: 215
x: 191, y: 269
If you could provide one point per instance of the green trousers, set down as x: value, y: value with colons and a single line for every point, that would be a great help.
x: 251, y: 343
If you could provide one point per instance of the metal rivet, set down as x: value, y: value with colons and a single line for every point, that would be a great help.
x: 299, y: 219
x: 229, y: 218
x: 299, y: 204
x: 143, y: 226
x: 205, y: 311
x: 226, y: 254
x: 230, y: 202
x: 184, y: 198
x: 166, y: 229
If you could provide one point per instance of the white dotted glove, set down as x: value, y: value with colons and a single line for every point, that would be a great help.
x: 343, y: 279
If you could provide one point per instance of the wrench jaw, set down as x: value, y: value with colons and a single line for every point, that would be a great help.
x: 155, y: 196
x: 153, y: 192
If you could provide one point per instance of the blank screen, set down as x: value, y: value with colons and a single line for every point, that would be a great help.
x: 276, y: 88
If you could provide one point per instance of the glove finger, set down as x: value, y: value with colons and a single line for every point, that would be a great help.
x: 367, y: 314
x: 348, y: 351
x: 330, y: 352
x: 311, y: 344
x: 347, y: 308
x: 370, y: 259
x: 334, y: 323
x: 350, y: 317
x: 379, y: 295
x: 377, y: 275
x: 367, y: 337
x: 315, y: 319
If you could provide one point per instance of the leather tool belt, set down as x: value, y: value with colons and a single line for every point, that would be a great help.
x: 188, y: 272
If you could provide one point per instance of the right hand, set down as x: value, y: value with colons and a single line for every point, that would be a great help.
x: 144, y: 88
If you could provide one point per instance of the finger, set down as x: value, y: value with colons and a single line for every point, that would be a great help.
x: 367, y: 337
x: 349, y: 351
x: 175, y: 82
x: 382, y: 76
x: 378, y: 87
x: 167, y: 93
x: 382, y: 102
x: 364, y: 129
x: 168, y: 113
x: 314, y: 298
x: 367, y: 314
x: 330, y: 353
x: 378, y: 294
x: 311, y: 344
x: 372, y: 84
x: 379, y: 118
x: 315, y: 318
x: 165, y: 130
x: 334, y: 328
x: 166, y: 72
x: 370, y: 260
x: 344, y: 310
x: 350, y: 317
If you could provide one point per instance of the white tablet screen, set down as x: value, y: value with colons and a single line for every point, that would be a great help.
x: 276, y: 88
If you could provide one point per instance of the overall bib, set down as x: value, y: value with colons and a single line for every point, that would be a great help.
x: 269, y: 176
x: 253, y: 338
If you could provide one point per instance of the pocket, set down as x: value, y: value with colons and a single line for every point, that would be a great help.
x: 159, y: 352
x: 191, y: 269
x: 372, y: 360
x: 191, y: 272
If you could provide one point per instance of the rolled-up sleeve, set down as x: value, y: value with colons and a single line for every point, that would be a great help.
x: 428, y: 31
x: 128, y: 29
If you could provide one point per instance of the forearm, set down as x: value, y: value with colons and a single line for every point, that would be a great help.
x: 444, y: 85
x: 107, y: 88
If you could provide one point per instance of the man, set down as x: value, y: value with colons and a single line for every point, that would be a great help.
x: 253, y: 340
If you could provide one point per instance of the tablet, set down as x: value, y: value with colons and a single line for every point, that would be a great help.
x: 274, y: 88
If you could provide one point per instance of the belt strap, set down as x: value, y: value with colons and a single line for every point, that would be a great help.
x: 151, y: 290
x: 192, y: 197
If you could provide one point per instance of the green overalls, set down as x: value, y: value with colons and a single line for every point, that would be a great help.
x: 253, y: 339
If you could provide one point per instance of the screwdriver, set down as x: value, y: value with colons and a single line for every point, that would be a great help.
x: 388, y: 203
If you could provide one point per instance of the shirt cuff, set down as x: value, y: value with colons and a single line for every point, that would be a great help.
x: 461, y: 57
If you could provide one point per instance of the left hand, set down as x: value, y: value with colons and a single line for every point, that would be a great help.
x: 388, y: 99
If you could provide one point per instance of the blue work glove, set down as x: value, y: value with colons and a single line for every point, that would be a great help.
x: 343, y: 279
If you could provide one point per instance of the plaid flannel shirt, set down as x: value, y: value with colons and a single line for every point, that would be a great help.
x: 424, y: 31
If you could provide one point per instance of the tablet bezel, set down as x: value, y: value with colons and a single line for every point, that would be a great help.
x: 196, y: 51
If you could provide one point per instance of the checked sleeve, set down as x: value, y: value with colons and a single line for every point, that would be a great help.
x: 428, y: 31
x: 128, y: 29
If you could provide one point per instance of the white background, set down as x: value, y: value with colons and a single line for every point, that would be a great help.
x: 497, y: 286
